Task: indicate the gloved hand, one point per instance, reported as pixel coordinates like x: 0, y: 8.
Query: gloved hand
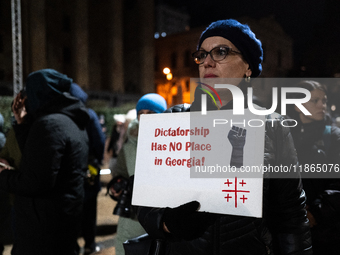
x: 185, y: 222
x: 237, y: 138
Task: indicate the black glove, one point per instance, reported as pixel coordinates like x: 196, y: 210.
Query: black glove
x: 185, y: 222
x: 237, y: 138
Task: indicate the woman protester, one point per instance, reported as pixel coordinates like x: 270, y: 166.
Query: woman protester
x: 128, y: 226
x: 318, y: 145
x: 229, y: 49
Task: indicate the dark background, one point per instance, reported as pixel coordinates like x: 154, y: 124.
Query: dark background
x: 314, y: 25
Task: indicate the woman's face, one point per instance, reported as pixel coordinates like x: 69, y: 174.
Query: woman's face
x: 143, y: 111
x: 233, y: 66
x: 316, y: 106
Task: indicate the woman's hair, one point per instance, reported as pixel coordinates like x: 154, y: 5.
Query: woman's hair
x: 310, y: 85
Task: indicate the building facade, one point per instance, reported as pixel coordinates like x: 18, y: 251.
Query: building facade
x: 106, y: 46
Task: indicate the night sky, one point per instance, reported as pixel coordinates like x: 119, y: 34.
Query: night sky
x: 314, y: 25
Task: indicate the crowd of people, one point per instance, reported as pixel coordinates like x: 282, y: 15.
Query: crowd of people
x: 52, y: 156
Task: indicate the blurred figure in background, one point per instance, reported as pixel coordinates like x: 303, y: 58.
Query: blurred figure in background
x: 128, y: 225
x: 3, y: 195
x: 49, y: 185
x: 117, y: 140
x: 117, y: 130
x: 318, y: 142
x: 92, y: 181
x: 2, y: 134
x: 10, y: 155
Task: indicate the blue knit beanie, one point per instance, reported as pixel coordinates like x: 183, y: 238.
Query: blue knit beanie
x: 152, y: 102
x: 242, y: 37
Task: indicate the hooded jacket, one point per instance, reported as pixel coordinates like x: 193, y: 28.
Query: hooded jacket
x: 282, y: 230
x: 49, y: 183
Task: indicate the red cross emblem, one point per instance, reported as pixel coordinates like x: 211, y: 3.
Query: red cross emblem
x: 235, y: 191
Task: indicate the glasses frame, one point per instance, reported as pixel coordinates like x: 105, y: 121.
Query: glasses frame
x: 209, y: 53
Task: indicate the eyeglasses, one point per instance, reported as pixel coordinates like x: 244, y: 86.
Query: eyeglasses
x: 316, y: 100
x: 217, y: 54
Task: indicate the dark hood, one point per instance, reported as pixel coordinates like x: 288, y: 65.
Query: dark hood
x: 48, y: 92
x: 78, y: 92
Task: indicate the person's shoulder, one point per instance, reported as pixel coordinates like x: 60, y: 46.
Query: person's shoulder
x: 92, y: 113
x: 178, y: 108
x: 52, y: 121
x: 335, y: 131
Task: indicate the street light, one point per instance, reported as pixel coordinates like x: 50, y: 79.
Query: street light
x: 168, y: 73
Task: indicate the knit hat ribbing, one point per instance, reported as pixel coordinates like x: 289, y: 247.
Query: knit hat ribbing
x: 152, y: 102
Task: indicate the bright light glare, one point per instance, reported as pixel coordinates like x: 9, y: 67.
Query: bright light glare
x: 105, y: 171
x: 166, y: 70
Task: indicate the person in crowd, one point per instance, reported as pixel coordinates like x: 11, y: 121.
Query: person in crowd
x: 129, y: 227
x: 3, y: 196
x: 229, y: 49
x: 49, y: 185
x: 92, y: 182
x: 117, y: 130
x: 10, y: 155
x: 118, y: 141
x: 318, y: 143
x: 2, y: 134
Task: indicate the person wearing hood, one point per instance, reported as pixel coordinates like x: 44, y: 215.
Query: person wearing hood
x: 92, y: 182
x: 49, y: 183
x: 129, y: 227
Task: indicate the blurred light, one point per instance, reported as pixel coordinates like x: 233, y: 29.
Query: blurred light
x: 169, y: 76
x: 333, y: 107
x: 166, y: 70
x: 163, y: 34
x: 174, y: 90
x: 156, y: 35
x: 105, y: 171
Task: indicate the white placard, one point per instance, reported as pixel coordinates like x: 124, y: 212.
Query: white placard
x: 187, y: 156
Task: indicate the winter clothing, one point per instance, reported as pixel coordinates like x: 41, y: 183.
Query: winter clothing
x: 282, y: 230
x: 11, y: 151
x: 95, y: 133
x: 49, y: 184
x: 242, y: 37
x: 127, y: 228
x: 2, y: 135
x: 315, y: 147
x: 152, y: 102
x: 92, y: 185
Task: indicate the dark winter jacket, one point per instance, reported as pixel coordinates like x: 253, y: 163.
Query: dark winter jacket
x: 94, y: 130
x: 316, y: 145
x: 282, y: 230
x: 49, y: 184
x: 96, y: 141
